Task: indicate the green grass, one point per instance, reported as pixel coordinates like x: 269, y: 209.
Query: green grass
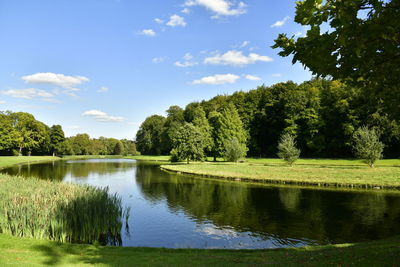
x: 6, y: 161
x: 150, y: 158
x: 324, y: 172
x: 30, y: 252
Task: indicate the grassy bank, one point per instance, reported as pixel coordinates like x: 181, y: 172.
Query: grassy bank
x: 339, y: 173
x: 6, y: 161
x: 30, y: 252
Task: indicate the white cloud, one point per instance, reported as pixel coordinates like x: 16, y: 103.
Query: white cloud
x: 103, y: 90
x: 236, y: 58
x: 185, y: 64
x: 102, y: 116
x: 218, y: 79
x: 244, y: 44
x: 187, y: 56
x: 252, y: 77
x: 149, y: 32
x: 277, y: 75
x: 185, y: 10
x: 280, y: 23
x: 64, y: 81
x: 159, y: 21
x: 219, y: 7
x: 2, y: 102
x: 29, y: 93
x: 158, y: 59
x: 188, y: 61
x: 176, y: 20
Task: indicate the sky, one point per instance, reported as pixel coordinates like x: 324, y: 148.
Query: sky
x: 102, y: 66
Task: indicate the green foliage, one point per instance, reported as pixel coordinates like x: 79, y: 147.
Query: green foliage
x: 80, y: 144
x: 118, y: 148
x: 175, y: 156
x: 8, y: 134
x: 56, y: 138
x: 367, y: 145
x: 188, y: 143
x: 30, y: 131
x: 59, y: 211
x: 362, y: 42
x: 225, y: 126
x: 287, y: 148
x: 234, y: 150
x: 323, y: 114
x: 148, y: 137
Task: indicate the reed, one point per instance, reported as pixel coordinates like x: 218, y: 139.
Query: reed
x: 63, y: 212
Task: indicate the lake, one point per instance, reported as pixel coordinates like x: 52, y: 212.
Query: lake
x: 178, y: 211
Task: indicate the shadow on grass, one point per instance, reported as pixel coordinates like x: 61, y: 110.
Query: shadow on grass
x: 377, y: 253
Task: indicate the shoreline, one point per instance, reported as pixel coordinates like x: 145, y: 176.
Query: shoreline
x: 274, y: 181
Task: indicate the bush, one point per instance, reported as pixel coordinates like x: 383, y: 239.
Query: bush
x: 287, y: 148
x: 367, y: 145
x: 234, y: 150
x: 174, y: 156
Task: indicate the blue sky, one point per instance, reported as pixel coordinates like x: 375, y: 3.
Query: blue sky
x: 102, y: 66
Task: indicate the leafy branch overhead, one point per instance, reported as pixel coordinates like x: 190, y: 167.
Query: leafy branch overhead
x: 357, y: 40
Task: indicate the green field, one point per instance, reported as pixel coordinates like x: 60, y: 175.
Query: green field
x: 6, y: 161
x: 29, y: 252
x: 319, y: 172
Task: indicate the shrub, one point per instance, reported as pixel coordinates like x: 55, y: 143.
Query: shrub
x: 234, y: 150
x: 287, y: 148
x: 367, y: 145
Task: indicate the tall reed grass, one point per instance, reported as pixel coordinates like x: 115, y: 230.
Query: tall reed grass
x: 64, y: 212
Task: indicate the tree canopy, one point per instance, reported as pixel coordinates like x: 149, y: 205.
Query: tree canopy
x: 357, y: 40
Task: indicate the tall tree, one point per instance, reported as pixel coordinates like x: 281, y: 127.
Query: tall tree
x: 30, y: 131
x: 148, y: 137
x: 188, y: 143
x: 56, y: 138
x: 8, y: 134
x: 225, y: 126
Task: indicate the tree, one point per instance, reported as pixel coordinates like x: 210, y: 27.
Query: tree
x: 56, y: 138
x: 81, y: 144
x: 225, y: 126
x: 367, y: 145
x: 361, y: 42
x: 188, y: 143
x: 118, y: 148
x: 201, y: 122
x: 8, y: 134
x: 234, y: 150
x: 287, y: 148
x: 148, y: 137
x: 30, y: 131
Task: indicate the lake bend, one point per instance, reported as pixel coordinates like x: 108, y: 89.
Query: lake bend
x: 179, y: 211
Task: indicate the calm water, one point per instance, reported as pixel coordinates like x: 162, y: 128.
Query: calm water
x: 178, y: 211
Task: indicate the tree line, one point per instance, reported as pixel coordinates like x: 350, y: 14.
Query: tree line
x: 323, y: 116
x: 22, y: 134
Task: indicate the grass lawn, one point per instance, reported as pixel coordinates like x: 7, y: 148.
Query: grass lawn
x: 29, y: 252
x: 322, y: 172
x: 6, y: 161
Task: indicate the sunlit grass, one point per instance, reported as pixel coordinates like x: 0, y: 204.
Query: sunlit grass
x: 323, y: 172
x: 6, y: 161
x: 30, y: 252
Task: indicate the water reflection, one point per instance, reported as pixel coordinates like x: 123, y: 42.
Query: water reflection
x: 183, y: 211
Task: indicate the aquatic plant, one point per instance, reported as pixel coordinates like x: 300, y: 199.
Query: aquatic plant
x: 64, y: 212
